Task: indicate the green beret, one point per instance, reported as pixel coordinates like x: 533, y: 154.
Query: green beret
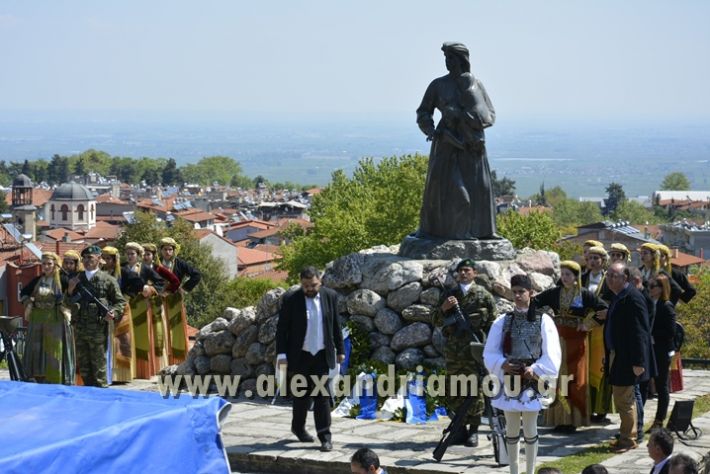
x: 91, y: 250
x: 466, y: 262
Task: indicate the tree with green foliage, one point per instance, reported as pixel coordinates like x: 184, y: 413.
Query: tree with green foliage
x: 58, y: 170
x: 212, y: 169
x: 569, y: 212
x: 615, y: 197
x: 208, y: 299
x: 379, y: 205
x: 170, y: 174
x: 635, y: 213
x: 536, y: 230
x: 695, y: 318
x: 503, y: 186
x: 675, y: 181
x: 4, y: 206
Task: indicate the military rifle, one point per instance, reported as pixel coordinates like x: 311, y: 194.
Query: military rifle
x: 103, y: 309
x: 462, y: 324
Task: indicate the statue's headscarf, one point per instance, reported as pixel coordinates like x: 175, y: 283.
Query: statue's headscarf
x: 460, y: 51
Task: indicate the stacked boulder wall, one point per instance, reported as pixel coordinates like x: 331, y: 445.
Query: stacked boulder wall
x: 390, y: 298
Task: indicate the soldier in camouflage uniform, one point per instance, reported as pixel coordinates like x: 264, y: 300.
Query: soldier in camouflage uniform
x: 91, y: 334
x: 479, y: 306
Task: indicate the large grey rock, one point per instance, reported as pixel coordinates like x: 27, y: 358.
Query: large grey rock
x: 197, y: 349
x: 377, y: 339
x: 414, y: 335
x: 187, y: 367
x: 387, y: 321
x: 541, y: 282
x: 344, y: 272
x: 440, y: 249
x: 409, y: 359
x: 365, y: 302
x: 269, y: 304
x: 430, y: 296
x: 218, y: 325
x: 242, y: 368
x: 256, y: 353
x: 430, y: 351
x: 404, y: 296
x: 220, y: 364
x: 244, y: 340
x: 438, y: 340
x: 434, y: 362
x: 270, y: 355
x: 229, y: 313
x: 265, y: 369
x: 202, y: 365
x: 364, y: 322
x: 219, y: 343
x: 242, y: 320
x: 390, y: 275
x: 538, y: 261
x: 503, y: 305
x: 488, y: 270
x: 248, y: 388
x: 502, y: 285
x: 418, y: 312
x: 384, y: 355
x: 267, y: 330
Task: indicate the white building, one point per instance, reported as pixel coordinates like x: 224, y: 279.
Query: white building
x: 71, y: 206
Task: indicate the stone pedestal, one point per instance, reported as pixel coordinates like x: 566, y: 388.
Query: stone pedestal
x: 441, y: 249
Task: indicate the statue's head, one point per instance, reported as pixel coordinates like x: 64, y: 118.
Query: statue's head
x: 456, y: 57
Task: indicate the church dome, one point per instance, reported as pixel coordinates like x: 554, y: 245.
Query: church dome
x: 72, y: 192
x: 22, y: 181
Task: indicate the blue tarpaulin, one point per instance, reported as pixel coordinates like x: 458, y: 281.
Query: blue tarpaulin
x: 55, y: 428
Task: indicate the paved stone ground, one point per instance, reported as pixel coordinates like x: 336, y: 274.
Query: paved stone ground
x: 258, y: 439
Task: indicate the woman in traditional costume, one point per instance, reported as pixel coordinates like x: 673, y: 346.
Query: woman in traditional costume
x: 174, y: 302
x: 140, y: 282
x: 124, y: 351
x: 49, y: 349
x: 619, y: 253
x: 160, y: 321
x: 594, y: 280
x: 681, y: 290
x: 571, y: 304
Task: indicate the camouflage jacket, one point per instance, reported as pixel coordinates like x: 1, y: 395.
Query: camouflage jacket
x: 477, y: 304
x: 105, y: 288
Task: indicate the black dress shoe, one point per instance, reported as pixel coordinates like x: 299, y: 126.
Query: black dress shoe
x: 472, y: 440
x: 303, y: 437
x: 326, y: 446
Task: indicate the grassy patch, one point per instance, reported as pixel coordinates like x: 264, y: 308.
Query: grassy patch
x: 578, y: 461
x: 3, y: 364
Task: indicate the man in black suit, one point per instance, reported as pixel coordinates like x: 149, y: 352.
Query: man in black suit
x: 660, y: 449
x: 626, y: 340
x: 308, y: 338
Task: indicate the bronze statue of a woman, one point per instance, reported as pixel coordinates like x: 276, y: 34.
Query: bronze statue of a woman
x: 458, y: 198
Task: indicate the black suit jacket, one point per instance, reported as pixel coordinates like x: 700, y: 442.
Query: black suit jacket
x: 132, y: 282
x: 627, y: 325
x: 687, y: 290
x: 663, y: 328
x: 182, y: 269
x: 291, y: 328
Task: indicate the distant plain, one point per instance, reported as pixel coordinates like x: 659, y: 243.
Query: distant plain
x: 583, y: 158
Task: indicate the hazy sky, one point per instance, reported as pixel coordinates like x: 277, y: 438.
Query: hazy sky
x: 603, y: 60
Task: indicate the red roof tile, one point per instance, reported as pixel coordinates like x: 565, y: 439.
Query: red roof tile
x: 685, y: 260
x: 60, y: 233
x: 247, y: 256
